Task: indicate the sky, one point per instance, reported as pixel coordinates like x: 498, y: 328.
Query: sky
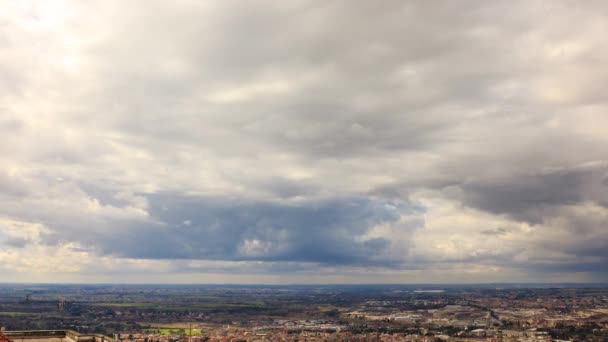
x: 303, y: 141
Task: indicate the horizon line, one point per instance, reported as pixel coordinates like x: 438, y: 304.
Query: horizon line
x: 305, y: 284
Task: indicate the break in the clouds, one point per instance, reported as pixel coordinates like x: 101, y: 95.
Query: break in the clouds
x: 303, y: 141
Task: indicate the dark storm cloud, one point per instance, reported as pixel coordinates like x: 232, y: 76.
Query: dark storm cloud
x: 198, y: 227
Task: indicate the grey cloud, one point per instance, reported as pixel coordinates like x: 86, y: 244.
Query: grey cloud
x: 17, y: 242
x: 579, y: 233
x: 567, y: 208
x: 528, y: 196
x: 358, y: 105
x: 285, y: 188
x: 497, y: 231
x: 14, y: 186
x: 597, y: 268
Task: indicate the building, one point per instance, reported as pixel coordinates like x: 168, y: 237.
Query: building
x: 50, y: 336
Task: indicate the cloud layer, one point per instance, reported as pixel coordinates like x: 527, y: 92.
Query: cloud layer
x: 305, y: 141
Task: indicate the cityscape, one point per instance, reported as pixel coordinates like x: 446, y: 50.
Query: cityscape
x: 156, y: 313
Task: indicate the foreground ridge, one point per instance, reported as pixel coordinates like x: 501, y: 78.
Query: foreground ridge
x: 51, y: 336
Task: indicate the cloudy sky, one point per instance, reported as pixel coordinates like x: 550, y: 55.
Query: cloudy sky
x: 303, y: 141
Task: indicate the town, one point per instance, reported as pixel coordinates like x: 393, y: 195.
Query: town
x: 149, y: 313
